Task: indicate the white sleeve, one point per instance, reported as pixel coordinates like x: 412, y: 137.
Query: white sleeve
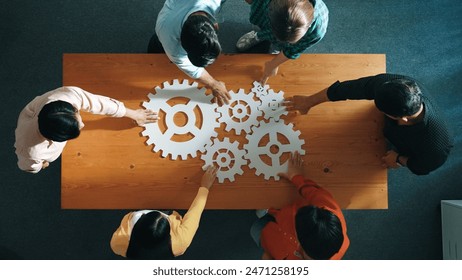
x: 93, y: 103
x: 29, y: 165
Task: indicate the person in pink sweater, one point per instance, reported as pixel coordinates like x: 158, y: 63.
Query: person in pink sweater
x: 48, y: 121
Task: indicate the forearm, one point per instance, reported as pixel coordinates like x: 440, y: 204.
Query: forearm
x: 362, y: 88
x: 192, y: 217
x: 94, y: 103
x: 208, y: 80
x: 317, y: 98
x: 130, y: 113
x: 277, y: 61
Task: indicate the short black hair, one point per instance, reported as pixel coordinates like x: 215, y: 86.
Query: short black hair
x: 150, y: 238
x: 319, y: 232
x: 399, y: 98
x: 57, y: 121
x: 200, y: 40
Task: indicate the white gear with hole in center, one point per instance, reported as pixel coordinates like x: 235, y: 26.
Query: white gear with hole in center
x: 254, y: 151
x: 272, y: 105
x: 241, y: 114
x: 225, y: 155
x: 202, y: 133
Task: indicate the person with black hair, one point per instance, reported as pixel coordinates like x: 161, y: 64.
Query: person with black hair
x: 417, y: 132
x: 155, y: 235
x: 187, y: 32
x: 313, y: 227
x: 48, y: 121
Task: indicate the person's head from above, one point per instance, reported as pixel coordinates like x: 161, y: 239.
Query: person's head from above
x: 150, y: 238
x: 200, y: 40
x: 59, y: 121
x: 290, y: 19
x: 399, y: 99
x: 319, y: 232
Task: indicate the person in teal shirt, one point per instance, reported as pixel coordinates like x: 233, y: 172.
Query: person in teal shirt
x: 291, y: 26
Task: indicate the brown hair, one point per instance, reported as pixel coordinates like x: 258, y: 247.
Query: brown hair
x: 290, y: 19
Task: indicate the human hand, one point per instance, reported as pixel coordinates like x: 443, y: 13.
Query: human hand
x: 209, y: 177
x: 295, y: 166
x: 268, y: 71
x: 142, y: 116
x: 220, y: 93
x: 389, y: 160
x: 45, y: 164
x: 298, y: 103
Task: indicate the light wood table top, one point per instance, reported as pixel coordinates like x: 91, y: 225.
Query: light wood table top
x: 110, y: 166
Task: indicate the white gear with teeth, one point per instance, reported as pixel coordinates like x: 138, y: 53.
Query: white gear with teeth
x: 259, y: 90
x: 197, y: 102
x: 272, y: 129
x: 272, y: 105
x: 227, y: 156
x: 242, y: 113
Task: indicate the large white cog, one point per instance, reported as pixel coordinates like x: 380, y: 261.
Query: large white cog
x: 227, y: 157
x: 274, y: 149
x: 195, y: 101
x: 272, y: 105
x: 241, y: 114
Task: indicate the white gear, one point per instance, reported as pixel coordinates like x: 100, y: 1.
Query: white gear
x: 197, y: 101
x: 272, y: 128
x: 241, y: 114
x: 259, y: 90
x: 272, y: 105
x: 227, y: 156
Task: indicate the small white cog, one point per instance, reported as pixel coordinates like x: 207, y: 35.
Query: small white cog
x: 241, y: 114
x: 259, y: 90
x: 227, y: 156
x: 274, y: 149
x: 189, y: 101
x: 272, y: 105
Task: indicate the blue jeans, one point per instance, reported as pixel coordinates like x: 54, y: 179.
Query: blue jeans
x: 257, y: 227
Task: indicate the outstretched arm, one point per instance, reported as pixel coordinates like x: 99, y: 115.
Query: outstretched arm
x: 219, y: 91
x: 307, y: 188
x: 271, y: 67
x: 141, y: 116
x: 191, y: 219
x: 304, y: 103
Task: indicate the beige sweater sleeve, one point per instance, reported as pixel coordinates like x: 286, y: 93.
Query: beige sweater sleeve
x: 183, y: 230
x: 93, y: 103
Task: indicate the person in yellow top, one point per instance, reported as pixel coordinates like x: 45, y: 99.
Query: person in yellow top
x: 152, y: 234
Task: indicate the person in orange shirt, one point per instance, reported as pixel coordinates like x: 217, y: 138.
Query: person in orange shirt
x: 152, y: 234
x: 313, y: 227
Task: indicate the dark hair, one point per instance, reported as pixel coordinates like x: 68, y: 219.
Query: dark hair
x: 319, y: 232
x: 290, y: 19
x: 200, y: 40
x: 57, y: 121
x: 399, y: 98
x: 150, y: 238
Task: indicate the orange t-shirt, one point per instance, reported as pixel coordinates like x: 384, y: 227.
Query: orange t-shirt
x: 279, y: 239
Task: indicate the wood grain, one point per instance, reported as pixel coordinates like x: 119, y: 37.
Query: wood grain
x: 111, y: 167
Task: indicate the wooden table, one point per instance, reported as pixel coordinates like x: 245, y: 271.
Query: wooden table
x: 111, y: 167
